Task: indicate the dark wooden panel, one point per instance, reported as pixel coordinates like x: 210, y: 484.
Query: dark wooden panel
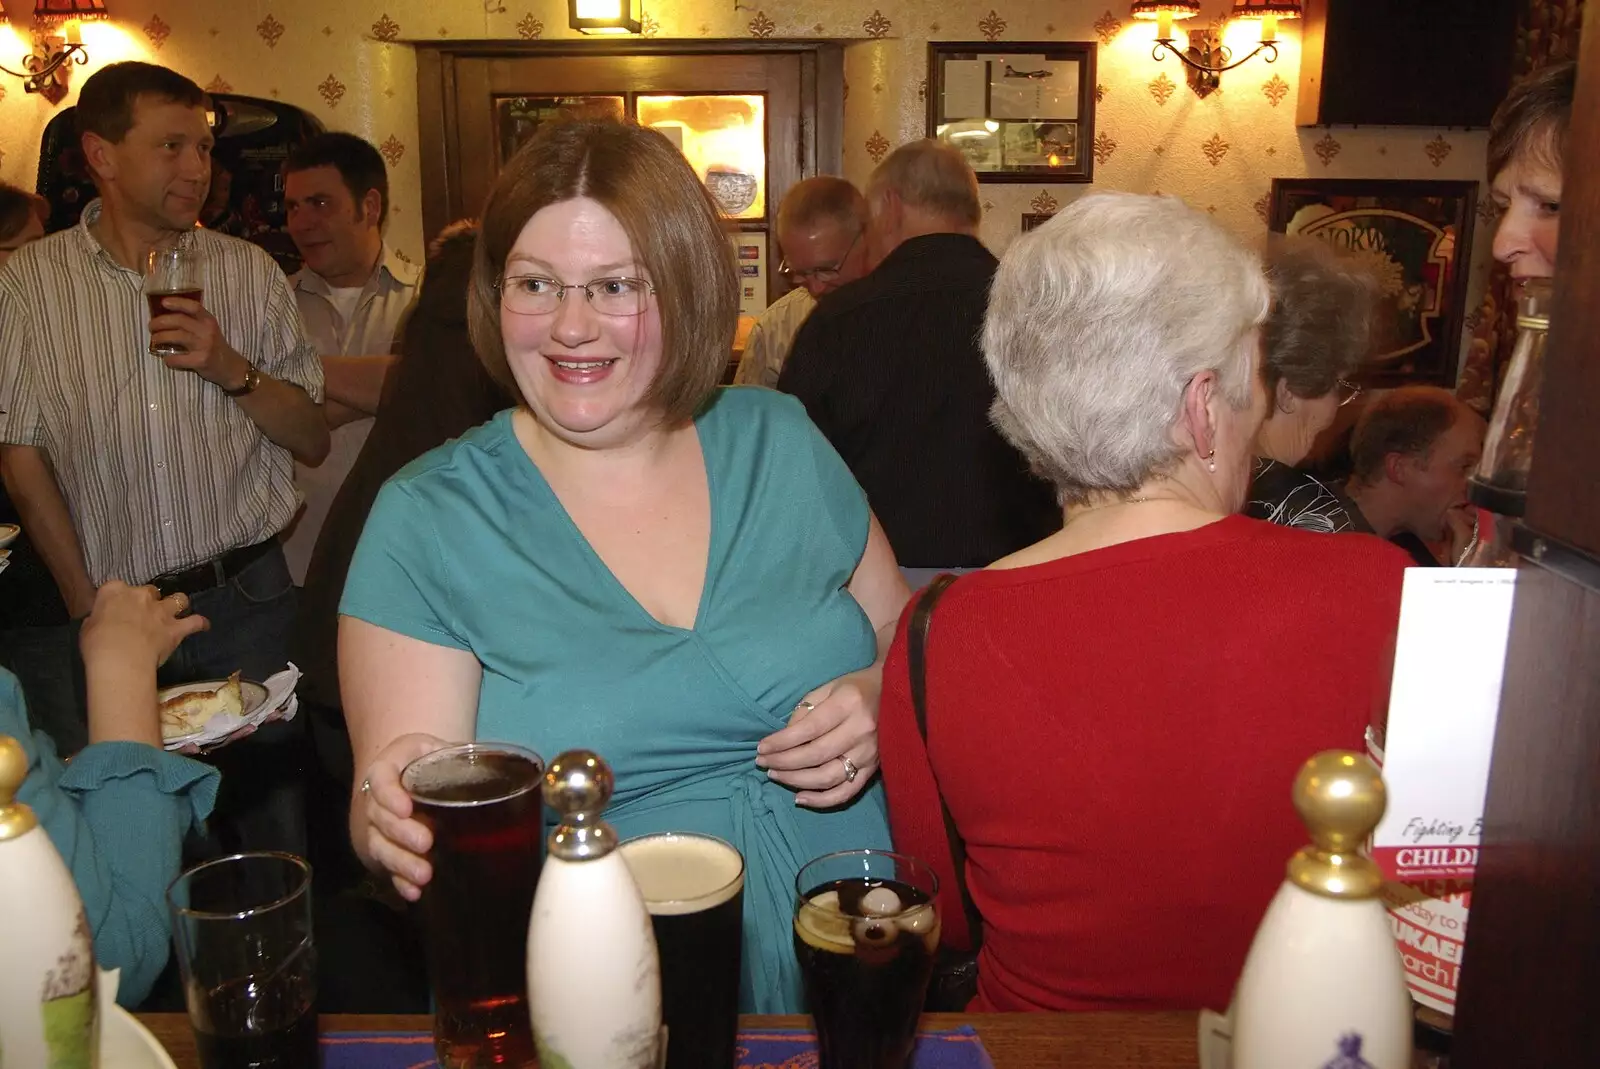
x: 1564, y: 487
x: 1405, y: 63
x: 1532, y: 962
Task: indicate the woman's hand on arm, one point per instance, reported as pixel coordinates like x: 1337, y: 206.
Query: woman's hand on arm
x: 403, y: 698
x: 838, y: 721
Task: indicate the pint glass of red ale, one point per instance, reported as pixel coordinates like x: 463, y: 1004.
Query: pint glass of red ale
x: 482, y: 802
x: 173, y: 271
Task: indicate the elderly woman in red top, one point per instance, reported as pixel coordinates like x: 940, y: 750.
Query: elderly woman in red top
x: 1115, y: 714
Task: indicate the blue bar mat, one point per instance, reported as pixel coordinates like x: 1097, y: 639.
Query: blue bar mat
x: 957, y: 1048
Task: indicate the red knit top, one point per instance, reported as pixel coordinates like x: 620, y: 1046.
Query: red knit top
x: 1117, y: 733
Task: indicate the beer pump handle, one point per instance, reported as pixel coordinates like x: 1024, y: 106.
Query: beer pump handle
x: 1323, y: 984
x: 578, y: 786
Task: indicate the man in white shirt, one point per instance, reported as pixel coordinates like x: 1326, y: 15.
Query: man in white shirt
x: 352, y: 293
x: 174, y: 470
x: 822, y: 230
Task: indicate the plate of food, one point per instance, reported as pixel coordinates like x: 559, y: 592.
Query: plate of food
x: 187, y: 710
x: 8, y: 534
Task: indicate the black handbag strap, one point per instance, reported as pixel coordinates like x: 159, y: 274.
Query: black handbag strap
x: 917, y: 656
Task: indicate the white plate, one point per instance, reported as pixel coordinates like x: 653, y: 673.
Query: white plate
x: 251, y: 695
x: 8, y: 534
x: 127, y: 1044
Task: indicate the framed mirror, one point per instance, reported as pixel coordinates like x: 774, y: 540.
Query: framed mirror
x: 1018, y: 111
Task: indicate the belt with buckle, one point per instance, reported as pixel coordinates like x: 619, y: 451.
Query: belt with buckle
x: 212, y: 573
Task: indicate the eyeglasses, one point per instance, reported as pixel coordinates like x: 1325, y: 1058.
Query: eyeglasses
x: 826, y: 273
x: 1348, y: 391
x: 535, y: 295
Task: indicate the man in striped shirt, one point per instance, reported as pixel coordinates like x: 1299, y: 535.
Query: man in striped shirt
x: 174, y: 470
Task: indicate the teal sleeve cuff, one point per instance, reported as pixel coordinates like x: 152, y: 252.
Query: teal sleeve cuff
x: 171, y: 773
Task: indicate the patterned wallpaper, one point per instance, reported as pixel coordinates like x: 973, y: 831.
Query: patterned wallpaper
x: 349, y: 63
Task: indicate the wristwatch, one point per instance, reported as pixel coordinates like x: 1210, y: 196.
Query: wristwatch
x: 252, y: 379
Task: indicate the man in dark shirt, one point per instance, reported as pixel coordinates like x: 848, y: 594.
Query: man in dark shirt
x: 890, y: 370
x: 1411, y: 453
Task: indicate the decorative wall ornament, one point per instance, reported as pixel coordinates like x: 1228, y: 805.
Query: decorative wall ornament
x: 877, y: 146
x: 1215, y: 149
x: 1044, y: 203
x: 219, y: 84
x: 922, y: 91
x: 385, y: 29
x: 1263, y: 206
x: 1275, y: 89
x: 1106, y: 26
x: 1104, y: 146
x: 876, y: 25
x: 992, y: 25
x: 649, y: 27
x: 270, y: 30
x: 1327, y: 149
x: 331, y: 90
x: 1099, y: 93
x: 530, y: 28
x: 1162, y: 88
x: 157, y: 31
x: 392, y: 150
x: 1438, y: 149
x: 761, y: 26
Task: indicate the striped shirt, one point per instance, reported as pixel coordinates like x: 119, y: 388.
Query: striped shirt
x: 160, y: 469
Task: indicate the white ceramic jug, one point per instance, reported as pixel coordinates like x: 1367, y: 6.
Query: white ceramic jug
x: 1323, y: 986
x: 49, y: 1015
x: 594, y: 980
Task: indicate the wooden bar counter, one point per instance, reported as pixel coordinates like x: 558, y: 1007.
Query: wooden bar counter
x: 1014, y: 1041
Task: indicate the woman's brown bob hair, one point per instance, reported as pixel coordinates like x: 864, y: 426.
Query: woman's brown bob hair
x: 673, y: 224
x: 1533, y: 119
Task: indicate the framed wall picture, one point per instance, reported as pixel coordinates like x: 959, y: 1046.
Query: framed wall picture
x: 1019, y: 112
x: 1416, y: 238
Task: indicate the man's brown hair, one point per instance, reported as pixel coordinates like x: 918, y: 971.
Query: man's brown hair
x: 106, y: 102
x: 1407, y: 421
x: 1533, y: 119
x: 671, y: 221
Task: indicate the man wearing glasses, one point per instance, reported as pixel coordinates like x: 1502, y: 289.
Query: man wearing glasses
x: 822, y: 225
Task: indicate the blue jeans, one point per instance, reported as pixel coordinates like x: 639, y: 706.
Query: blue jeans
x: 261, y: 804
x: 45, y: 661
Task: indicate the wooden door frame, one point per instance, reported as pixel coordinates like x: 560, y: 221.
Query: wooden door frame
x: 822, y: 87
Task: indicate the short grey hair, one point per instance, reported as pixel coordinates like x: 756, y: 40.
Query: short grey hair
x: 931, y: 176
x: 1097, y: 322
x: 823, y: 197
x: 1320, y: 329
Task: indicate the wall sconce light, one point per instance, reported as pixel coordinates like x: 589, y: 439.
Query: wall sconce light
x: 604, y: 16
x: 46, y: 69
x: 1206, y: 57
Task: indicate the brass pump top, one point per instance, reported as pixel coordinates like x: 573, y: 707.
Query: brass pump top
x: 1340, y: 797
x: 16, y: 819
x: 578, y: 786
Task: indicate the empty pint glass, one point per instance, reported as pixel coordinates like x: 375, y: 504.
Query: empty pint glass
x: 482, y: 802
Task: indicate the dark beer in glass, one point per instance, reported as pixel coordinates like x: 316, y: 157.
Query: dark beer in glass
x: 866, y: 929
x: 693, y: 886
x: 482, y: 802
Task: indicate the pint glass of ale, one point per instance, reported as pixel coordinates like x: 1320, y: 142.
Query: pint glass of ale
x: 693, y: 887
x: 482, y: 802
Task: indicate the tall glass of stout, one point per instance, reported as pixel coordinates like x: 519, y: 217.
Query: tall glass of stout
x: 242, y: 926
x: 482, y: 802
x: 866, y: 929
x: 172, y: 271
x: 693, y: 886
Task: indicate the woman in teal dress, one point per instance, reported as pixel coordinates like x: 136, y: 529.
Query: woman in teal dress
x: 683, y: 578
